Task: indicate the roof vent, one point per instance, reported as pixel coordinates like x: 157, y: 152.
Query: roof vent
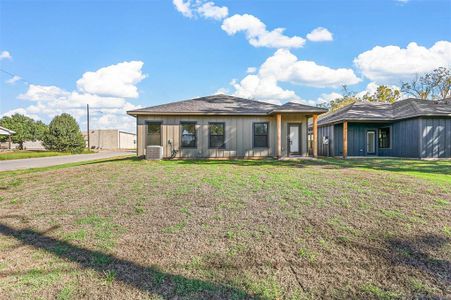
x: 154, y: 152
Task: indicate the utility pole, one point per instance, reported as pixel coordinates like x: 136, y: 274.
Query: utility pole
x: 87, y: 118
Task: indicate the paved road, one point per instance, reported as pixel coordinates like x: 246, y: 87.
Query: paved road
x: 18, y: 164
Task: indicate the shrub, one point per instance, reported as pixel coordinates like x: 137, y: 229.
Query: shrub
x: 64, y: 135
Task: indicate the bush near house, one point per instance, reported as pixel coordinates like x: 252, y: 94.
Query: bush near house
x: 64, y: 135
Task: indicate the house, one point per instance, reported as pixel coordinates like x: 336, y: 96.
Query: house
x: 7, y: 132
x: 222, y: 126
x: 110, y: 139
x: 408, y: 128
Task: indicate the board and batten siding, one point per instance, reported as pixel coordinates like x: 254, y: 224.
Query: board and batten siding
x: 238, y: 135
x: 410, y: 138
x: 326, y: 149
x: 435, y: 138
x: 403, y: 139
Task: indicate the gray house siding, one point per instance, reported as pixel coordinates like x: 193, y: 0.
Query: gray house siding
x: 414, y: 138
x: 326, y: 149
x: 435, y: 138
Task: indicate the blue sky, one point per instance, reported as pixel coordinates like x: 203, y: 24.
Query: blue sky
x: 154, y: 52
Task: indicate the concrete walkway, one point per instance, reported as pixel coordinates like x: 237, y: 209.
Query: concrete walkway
x: 40, y: 162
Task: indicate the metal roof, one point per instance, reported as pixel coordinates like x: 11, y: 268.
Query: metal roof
x: 6, y: 131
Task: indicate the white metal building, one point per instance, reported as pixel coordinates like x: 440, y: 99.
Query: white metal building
x: 110, y: 139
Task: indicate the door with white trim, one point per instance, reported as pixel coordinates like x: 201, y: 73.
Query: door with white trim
x: 294, y: 131
x: 371, y: 142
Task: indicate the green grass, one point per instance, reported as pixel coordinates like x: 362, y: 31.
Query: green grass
x: 378, y: 293
x: 434, y: 170
x: 301, y: 229
x: 21, y: 154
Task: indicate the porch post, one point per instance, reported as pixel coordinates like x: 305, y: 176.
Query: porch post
x: 345, y: 139
x: 315, y: 135
x: 9, y: 142
x: 279, y: 135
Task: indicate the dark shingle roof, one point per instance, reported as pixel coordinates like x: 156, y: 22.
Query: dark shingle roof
x: 374, y: 111
x: 222, y: 105
x: 295, y: 107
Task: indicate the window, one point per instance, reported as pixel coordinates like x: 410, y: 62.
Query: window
x: 189, y: 138
x: 216, y: 133
x: 384, y: 137
x: 154, y: 134
x: 261, y: 135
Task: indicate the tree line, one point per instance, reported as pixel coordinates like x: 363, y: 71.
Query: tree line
x: 435, y: 85
x: 62, y: 134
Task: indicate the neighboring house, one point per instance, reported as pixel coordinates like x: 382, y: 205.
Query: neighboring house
x: 8, y: 133
x: 407, y: 128
x: 222, y: 126
x: 110, y: 139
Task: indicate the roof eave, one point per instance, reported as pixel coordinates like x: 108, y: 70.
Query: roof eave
x: 298, y: 111
x: 141, y: 113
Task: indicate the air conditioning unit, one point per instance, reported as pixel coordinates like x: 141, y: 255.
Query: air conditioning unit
x: 154, y: 152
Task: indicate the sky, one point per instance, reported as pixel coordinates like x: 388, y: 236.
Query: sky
x: 58, y: 56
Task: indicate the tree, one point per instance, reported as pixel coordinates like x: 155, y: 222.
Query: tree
x: 40, y: 130
x: 348, y: 97
x: 383, y: 94
x: 25, y: 127
x: 433, y: 85
x: 64, y: 135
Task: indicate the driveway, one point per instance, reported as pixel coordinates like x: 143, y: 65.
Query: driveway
x: 19, y: 164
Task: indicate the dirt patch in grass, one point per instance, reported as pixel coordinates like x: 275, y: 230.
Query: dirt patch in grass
x: 224, y: 229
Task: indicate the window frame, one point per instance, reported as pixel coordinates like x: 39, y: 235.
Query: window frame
x: 161, y: 131
x: 253, y: 135
x: 195, y: 134
x: 389, y: 137
x: 209, y: 135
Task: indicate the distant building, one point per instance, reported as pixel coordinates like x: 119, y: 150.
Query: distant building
x: 7, y: 132
x: 110, y: 139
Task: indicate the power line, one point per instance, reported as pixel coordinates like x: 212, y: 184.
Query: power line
x: 23, y: 79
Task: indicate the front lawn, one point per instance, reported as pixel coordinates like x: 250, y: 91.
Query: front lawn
x: 130, y: 228
x: 21, y: 154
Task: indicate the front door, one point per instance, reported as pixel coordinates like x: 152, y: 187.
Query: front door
x: 293, y: 138
x: 371, y: 142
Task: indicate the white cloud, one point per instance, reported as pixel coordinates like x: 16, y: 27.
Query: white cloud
x: 251, y: 70
x: 210, y: 10
x: 184, y: 7
x: 392, y: 63
x: 262, y: 88
x: 5, y: 55
x: 106, y: 111
x: 222, y: 90
x: 13, y: 79
x: 44, y: 93
x: 21, y: 111
x: 284, y: 67
x: 256, y: 33
x: 326, y: 98
x: 116, y: 80
x: 320, y: 34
